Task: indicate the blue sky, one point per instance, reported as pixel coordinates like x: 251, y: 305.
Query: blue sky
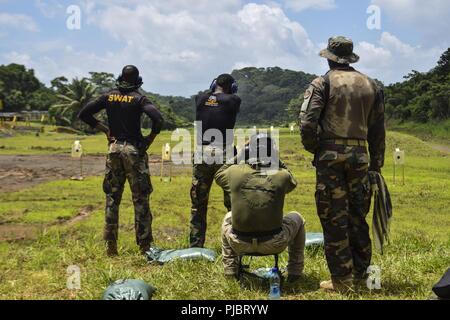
x: 181, y: 45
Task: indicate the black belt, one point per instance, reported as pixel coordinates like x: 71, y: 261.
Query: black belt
x: 346, y: 142
x: 124, y: 143
x: 259, y: 236
x: 208, y: 143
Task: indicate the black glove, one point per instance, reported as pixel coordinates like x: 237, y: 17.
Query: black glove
x: 142, y: 147
x: 375, y: 169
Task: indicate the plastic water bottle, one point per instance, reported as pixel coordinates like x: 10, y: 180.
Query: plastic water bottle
x: 274, y: 279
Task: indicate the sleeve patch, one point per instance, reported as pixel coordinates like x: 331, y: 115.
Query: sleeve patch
x: 307, y: 99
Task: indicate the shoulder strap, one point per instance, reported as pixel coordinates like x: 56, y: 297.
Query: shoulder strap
x: 326, y: 93
x: 326, y: 97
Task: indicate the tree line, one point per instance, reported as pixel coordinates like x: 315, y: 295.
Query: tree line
x: 20, y: 90
x: 269, y: 95
x: 422, y: 97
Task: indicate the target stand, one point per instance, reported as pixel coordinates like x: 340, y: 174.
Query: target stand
x: 77, y: 153
x: 166, y: 156
x: 399, y: 165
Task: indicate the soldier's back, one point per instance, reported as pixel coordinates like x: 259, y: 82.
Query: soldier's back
x: 352, y: 96
x: 124, y: 110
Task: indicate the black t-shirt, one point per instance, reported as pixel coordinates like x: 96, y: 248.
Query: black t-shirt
x: 217, y: 111
x: 124, y: 110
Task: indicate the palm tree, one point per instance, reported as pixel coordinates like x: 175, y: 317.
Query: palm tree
x: 77, y: 95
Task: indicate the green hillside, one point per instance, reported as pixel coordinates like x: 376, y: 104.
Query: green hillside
x: 269, y: 96
x: 422, y: 97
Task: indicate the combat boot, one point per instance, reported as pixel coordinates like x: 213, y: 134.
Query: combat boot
x: 294, y: 279
x: 231, y: 276
x: 340, y: 286
x: 360, y: 283
x: 111, y: 249
x: 144, y: 248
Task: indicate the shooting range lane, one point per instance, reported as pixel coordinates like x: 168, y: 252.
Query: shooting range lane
x: 442, y: 148
x: 18, y: 172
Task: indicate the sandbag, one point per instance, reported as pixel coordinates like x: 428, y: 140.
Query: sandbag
x: 442, y: 288
x: 314, y: 239
x: 129, y: 290
x: 156, y: 255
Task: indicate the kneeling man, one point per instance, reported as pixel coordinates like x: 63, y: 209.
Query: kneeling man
x: 256, y: 223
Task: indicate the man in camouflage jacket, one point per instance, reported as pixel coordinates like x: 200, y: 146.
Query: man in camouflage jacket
x: 342, y: 115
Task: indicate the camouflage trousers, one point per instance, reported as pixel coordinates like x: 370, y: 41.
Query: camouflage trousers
x: 202, y: 180
x: 343, y: 201
x: 292, y: 236
x: 125, y: 162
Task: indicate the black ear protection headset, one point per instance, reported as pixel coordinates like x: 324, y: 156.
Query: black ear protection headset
x: 139, y: 81
x: 259, y: 145
x: 129, y: 86
x: 125, y: 85
x: 234, y: 86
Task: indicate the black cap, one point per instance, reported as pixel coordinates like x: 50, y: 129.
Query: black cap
x: 260, y: 150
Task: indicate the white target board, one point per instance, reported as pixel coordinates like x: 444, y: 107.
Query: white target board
x: 77, y: 149
x: 399, y: 157
x: 166, y: 152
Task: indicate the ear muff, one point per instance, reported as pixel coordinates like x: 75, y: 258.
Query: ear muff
x: 213, y: 85
x: 139, y: 82
x: 234, y: 87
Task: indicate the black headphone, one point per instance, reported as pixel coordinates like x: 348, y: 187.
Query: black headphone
x: 254, y: 146
x: 234, y: 86
x: 137, y: 85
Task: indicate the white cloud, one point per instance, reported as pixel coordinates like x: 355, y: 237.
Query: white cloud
x: 18, y: 21
x: 391, y: 58
x: 301, y: 5
x: 181, y: 48
x: 430, y: 18
x: 180, y: 45
x: 19, y: 58
x: 50, y: 8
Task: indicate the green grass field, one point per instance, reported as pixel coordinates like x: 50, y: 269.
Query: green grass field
x: 35, y: 268
x: 435, y: 131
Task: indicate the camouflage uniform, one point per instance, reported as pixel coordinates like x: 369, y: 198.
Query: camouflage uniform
x: 126, y: 162
x: 214, y: 111
x: 257, y: 224
x: 202, y: 180
x: 342, y: 112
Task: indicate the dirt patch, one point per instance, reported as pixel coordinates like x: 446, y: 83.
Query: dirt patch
x: 11, y: 232
x: 169, y: 233
x: 4, y: 134
x: 13, y: 216
x: 441, y: 148
x: 22, y: 171
x: 19, y: 172
x: 19, y: 232
x: 39, y: 148
x: 66, y: 130
x: 83, y: 214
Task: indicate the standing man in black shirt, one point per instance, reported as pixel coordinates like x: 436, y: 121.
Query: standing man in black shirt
x: 215, y: 111
x: 127, y: 156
